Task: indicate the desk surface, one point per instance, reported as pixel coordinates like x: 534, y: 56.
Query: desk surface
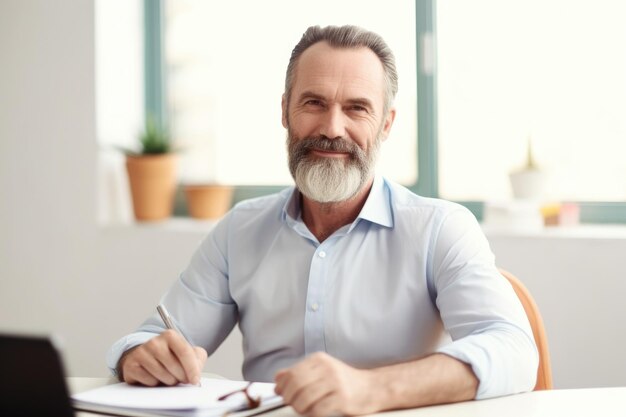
x: 597, y: 402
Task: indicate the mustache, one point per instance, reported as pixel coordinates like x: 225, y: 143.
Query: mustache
x: 323, y: 143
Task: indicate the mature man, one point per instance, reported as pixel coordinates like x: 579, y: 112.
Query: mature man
x: 343, y: 285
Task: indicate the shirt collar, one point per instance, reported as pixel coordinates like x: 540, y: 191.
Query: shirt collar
x: 377, y: 207
x: 291, y: 209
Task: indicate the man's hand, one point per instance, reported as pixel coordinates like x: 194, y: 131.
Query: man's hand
x: 166, y: 359
x: 321, y: 386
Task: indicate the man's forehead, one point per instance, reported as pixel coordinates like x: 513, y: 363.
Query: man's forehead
x: 351, y: 66
x: 323, y: 54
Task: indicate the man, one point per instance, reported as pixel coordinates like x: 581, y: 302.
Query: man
x: 341, y: 285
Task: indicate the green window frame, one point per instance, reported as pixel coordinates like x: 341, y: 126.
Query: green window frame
x: 427, y: 158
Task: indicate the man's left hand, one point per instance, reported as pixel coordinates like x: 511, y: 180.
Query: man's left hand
x: 321, y: 386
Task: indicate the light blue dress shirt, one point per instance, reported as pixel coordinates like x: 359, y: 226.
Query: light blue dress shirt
x: 384, y: 289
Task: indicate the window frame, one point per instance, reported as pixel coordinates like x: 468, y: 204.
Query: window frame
x: 427, y: 183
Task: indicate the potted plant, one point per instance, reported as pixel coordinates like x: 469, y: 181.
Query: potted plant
x: 152, y: 174
x: 529, y: 181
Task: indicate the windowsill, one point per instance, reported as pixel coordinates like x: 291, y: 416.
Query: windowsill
x: 581, y: 231
x: 172, y: 224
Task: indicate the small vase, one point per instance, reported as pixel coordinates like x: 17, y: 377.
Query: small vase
x: 528, y: 184
x: 208, y: 201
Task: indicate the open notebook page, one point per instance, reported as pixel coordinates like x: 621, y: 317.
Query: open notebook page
x: 186, y: 399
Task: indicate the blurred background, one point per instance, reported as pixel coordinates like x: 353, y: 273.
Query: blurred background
x: 481, y: 83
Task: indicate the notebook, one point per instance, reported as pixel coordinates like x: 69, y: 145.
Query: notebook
x: 32, y: 380
x: 182, y: 400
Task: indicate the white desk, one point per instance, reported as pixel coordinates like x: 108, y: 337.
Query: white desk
x: 591, y: 402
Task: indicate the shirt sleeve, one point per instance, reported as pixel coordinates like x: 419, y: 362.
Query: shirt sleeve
x: 199, y: 301
x: 479, y: 308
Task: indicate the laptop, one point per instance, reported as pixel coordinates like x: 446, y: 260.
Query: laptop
x: 32, y: 381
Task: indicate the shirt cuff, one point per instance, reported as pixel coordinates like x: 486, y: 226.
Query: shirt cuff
x: 504, y: 363
x: 117, y: 350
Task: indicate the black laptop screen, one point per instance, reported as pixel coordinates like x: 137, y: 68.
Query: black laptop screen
x: 32, y: 381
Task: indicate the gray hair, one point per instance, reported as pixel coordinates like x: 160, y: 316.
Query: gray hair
x: 347, y: 37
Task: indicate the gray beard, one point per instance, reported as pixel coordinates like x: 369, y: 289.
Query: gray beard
x: 330, y: 180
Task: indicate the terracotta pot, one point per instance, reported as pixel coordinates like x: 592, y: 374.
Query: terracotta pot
x: 208, y: 201
x: 152, y: 184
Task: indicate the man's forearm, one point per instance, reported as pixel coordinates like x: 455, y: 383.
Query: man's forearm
x: 435, y: 379
x: 321, y: 385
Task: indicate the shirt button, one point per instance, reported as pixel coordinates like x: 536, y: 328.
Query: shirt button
x: 322, y: 254
x: 315, y: 306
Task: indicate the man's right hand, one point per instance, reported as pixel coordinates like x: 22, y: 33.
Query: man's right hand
x: 165, y: 359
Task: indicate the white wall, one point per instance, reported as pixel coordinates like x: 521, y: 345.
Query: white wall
x: 578, y: 283
x: 61, y: 272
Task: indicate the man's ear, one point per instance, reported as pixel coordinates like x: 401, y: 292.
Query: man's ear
x: 389, y: 118
x: 283, y: 105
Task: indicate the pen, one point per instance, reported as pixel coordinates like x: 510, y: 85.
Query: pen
x: 169, y: 323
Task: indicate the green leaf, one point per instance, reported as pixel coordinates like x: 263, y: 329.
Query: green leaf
x: 155, y: 139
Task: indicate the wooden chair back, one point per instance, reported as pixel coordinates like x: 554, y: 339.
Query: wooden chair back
x: 544, y: 372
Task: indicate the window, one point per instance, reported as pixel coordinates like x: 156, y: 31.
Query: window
x: 551, y: 70
x: 225, y: 64
x: 491, y: 74
x: 119, y: 72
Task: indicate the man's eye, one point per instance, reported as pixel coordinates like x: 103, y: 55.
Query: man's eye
x: 313, y: 103
x: 356, y: 107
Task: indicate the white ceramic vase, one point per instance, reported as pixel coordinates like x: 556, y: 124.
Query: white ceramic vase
x: 528, y: 184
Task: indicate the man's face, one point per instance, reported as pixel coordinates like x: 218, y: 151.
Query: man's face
x: 335, y: 122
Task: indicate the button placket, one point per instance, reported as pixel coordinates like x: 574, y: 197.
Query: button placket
x: 314, y: 339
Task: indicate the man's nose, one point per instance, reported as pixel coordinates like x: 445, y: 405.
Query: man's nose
x: 333, y: 124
